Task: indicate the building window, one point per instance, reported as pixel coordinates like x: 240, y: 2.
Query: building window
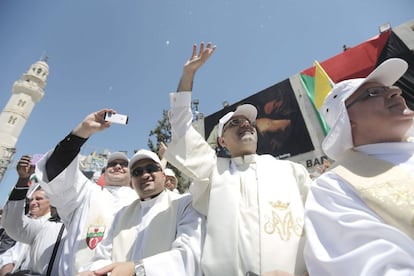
x: 21, y: 103
x: 12, y: 120
x: 39, y: 71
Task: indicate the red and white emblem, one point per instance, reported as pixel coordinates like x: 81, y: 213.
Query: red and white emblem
x: 94, y: 235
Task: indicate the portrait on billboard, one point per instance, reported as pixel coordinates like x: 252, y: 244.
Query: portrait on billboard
x: 281, y: 129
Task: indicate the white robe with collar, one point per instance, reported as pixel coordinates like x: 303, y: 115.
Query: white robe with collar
x: 345, y: 236
x: 83, y: 205
x: 254, y: 204
x: 166, y: 233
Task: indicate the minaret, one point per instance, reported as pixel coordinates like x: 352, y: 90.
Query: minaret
x: 27, y: 91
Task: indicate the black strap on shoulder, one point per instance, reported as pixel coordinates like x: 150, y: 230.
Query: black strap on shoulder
x: 55, y: 249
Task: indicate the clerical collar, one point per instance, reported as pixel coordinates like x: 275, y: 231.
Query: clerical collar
x: 245, y: 159
x: 152, y: 197
x: 387, y: 148
x: 240, y: 161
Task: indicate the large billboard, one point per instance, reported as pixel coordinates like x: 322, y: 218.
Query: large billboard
x: 281, y: 128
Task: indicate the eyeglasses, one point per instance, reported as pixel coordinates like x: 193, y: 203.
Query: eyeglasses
x: 150, y: 168
x: 372, y: 92
x: 238, y: 122
x: 123, y: 164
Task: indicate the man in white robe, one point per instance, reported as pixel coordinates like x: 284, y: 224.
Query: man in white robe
x: 359, y: 214
x: 86, y: 209
x: 160, y: 234
x: 39, y: 231
x: 254, y: 203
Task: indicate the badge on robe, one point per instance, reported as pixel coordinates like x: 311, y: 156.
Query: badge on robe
x: 94, y: 235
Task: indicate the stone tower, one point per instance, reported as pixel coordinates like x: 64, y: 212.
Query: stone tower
x: 27, y: 91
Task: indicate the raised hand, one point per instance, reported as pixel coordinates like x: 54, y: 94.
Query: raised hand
x: 93, y: 123
x: 193, y: 64
x: 24, y: 167
x: 196, y: 60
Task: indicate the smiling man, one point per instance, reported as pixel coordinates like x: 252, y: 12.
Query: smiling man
x: 359, y: 215
x: 39, y: 231
x: 86, y: 209
x: 254, y: 203
x: 159, y: 234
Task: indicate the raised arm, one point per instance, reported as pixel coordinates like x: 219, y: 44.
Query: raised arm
x: 193, y: 64
x: 69, y: 147
x: 14, y: 220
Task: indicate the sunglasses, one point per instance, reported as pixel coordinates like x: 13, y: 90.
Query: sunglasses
x: 123, y: 164
x: 150, y: 168
x: 238, y: 122
x: 372, y: 92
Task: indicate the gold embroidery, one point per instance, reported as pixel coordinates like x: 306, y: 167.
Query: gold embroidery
x: 282, y: 221
x: 396, y: 199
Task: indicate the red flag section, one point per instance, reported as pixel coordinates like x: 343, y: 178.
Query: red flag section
x: 356, y: 62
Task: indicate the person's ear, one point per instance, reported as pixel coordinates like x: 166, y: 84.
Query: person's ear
x: 222, y: 142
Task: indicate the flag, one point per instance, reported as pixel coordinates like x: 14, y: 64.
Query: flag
x: 323, y: 85
x: 317, y: 87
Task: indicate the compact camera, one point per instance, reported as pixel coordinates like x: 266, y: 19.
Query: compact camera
x: 116, y: 118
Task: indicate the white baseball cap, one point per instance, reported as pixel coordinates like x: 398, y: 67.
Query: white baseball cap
x: 333, y: 110
x: 247, y: 110
x: 170, y: 172
x: 118, y: 155
x: 144, y: 154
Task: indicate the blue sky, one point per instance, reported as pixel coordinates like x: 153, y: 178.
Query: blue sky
x: 128, y: 55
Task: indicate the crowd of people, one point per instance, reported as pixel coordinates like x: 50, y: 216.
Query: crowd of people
x: 247, y: 214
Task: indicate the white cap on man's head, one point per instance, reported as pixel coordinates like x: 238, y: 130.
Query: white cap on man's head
x: 334, y: 111
x: 118, y: 155
x: 144, y: 154
x: 170, y: 172
x: 247, y: 110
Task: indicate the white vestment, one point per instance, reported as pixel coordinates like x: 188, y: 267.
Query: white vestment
x: 347, y: 237
x: 254, y: 204
x: 166, y: 233
x: 39, y: 234
x: 86, y: 209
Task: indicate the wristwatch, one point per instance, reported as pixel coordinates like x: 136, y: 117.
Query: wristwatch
x: 139, y: 269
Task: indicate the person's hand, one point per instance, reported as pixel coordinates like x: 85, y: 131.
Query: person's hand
x: 277, y: 273
x: 192, y: 65
x: 196, y: 60
x: 161, y: 149
x: 281, y: 273
x: 24, y: 167
x: 93, y: 123
x: 86, y: 273
x: 117, y: 269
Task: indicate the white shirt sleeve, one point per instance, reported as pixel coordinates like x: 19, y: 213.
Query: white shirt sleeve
x: 180, y: 114
x: 67, y: 191
x: 345, y: 237
x: 7, y: 257
x: 19, y: 226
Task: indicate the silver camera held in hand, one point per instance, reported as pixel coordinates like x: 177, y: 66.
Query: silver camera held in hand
x: 116, y: 118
